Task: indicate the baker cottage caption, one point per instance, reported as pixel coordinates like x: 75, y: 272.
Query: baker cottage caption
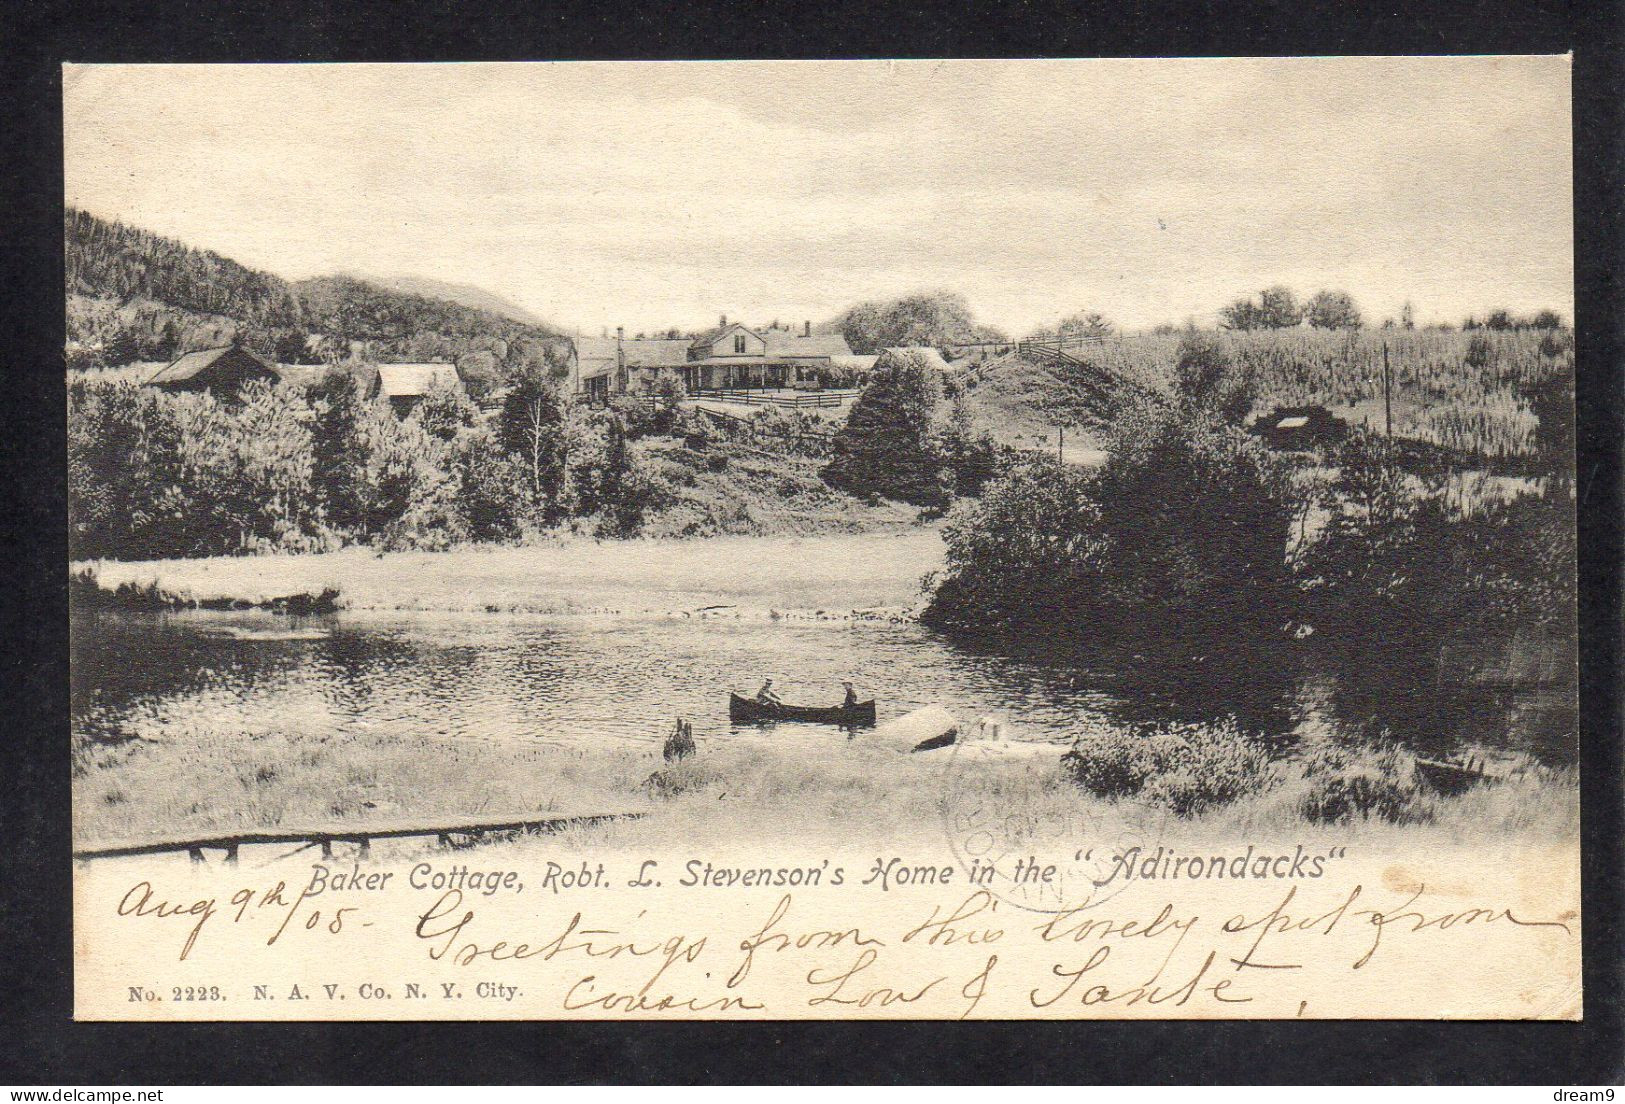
x: 144, y: 901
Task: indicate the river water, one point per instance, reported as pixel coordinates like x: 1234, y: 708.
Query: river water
x: 577, y: 678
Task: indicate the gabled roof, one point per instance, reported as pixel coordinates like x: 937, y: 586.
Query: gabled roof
x: 647, y: 352
x: 188, y: 365
x: 656, y: 352
x: 409, y: 381
x: 711, y: 337
x: 782, y: 344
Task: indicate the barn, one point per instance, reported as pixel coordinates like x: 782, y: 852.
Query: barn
x: 222, y: 371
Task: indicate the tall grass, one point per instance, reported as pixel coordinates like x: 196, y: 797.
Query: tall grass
x: 1457, y: 389
x: 1208, y: 780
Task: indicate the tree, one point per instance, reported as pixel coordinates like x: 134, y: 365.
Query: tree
x: 1181, y: 533
x: 1206, y: 380
x: 293, y: 347
x: 446, y: 411
x: 973, y: 456
x: 623, y: 493
x: 1407, y: 316
x: 1243, y: 314
x: 1278, y: 308
x: 531, y: 427
x: 932, y: 318
x: 167, y: 345
x: 889, y: 445
x: 339, y: 463
x: 1086, y: 324
x: 1334, y: 310
x: 492, y: 487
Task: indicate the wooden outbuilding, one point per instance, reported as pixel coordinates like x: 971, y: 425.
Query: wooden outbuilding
x: 222, y: 371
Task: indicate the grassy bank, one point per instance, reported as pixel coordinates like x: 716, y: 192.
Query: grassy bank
x: 835, y: 572
x: 733, y: 489
x: 778, y: 786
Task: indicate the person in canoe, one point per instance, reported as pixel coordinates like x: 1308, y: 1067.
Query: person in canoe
x: 766, y: 696
x: 851, y: 696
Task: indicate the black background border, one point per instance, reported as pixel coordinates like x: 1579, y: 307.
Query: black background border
x: 39, y: 1042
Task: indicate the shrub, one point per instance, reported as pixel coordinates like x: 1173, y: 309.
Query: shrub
x: 1332, y: 310
x: 639, y: 418
x: 1116, y: 763
x: 1408, y: 564
x: 1365, y: 781
x: 686, y: 776
x: 1185, y: 768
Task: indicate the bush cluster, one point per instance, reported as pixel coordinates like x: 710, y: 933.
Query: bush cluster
x: 1182, y: 531
x: 1184, y: 768
x: 1362, y: 782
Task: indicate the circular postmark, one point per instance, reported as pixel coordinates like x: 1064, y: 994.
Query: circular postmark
x: 1026, y: 848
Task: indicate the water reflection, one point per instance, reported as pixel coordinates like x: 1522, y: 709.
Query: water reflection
x: 579, y: 679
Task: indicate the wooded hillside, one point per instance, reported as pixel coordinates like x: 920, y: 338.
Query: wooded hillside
x: 135, y: 295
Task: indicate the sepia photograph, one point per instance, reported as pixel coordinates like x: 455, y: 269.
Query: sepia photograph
x: 933, y: 539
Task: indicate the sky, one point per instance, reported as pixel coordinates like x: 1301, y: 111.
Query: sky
x: 660, y: 194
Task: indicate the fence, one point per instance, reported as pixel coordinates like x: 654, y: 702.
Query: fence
x: 797, y: 440
x: 1060, y: 348
x: 801, y: 401
x: 360, y: 834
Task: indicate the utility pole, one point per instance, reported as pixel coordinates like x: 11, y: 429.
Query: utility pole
x: 1387, y: 394
x: 1060, y: 443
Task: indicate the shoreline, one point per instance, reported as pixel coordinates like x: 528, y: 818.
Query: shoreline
x: 831, y: 577
x: 855, y: 793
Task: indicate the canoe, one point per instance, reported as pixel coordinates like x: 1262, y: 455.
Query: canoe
x: 1449, y: 777
x: 747, y: 711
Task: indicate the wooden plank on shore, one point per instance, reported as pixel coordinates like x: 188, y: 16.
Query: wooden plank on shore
x: 361, y: 833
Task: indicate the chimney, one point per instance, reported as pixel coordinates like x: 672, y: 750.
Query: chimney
x: 806, y: 328
x: 620, y: 359
x: 723, y: 321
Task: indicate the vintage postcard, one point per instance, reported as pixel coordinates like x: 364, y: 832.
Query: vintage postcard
x: 929, y: 540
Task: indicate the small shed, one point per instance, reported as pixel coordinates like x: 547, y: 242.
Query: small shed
x: 222, y: 371
x: 404, y: 385
x: 1300, y: 427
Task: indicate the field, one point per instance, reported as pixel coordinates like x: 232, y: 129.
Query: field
x: 1461, y: 390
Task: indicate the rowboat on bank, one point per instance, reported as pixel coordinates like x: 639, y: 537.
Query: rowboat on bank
x: 1454, y: 777
x: 746, y: 711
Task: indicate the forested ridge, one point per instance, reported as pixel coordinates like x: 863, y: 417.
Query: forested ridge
x: 136, y: 295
